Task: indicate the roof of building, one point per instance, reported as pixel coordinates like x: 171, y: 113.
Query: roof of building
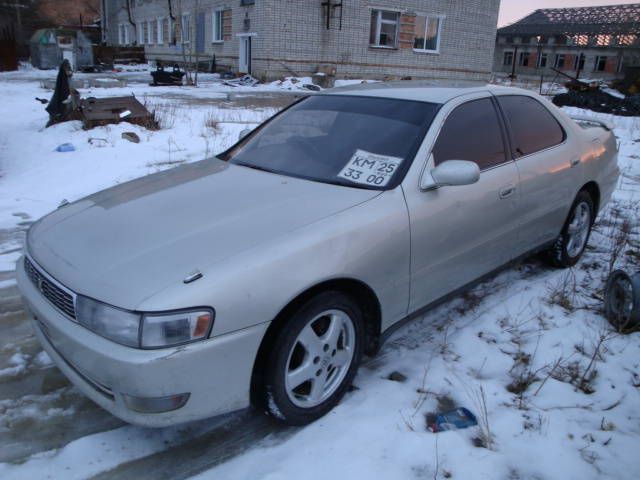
x: 610, y: 19
x: 422, y: 91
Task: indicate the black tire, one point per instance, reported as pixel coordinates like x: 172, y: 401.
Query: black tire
x: 276, y: 399
x: 622, y: 301
x: 559, y: 255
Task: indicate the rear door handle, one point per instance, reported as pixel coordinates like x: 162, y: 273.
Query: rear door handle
x: 506, y: 192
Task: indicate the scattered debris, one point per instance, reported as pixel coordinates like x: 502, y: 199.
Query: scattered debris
x: 452, y: 420
x: 63, y: 104
x: 397, y: 377
x: 599, y: 101
x: 43, y: 101
x: 98, y: 141
x: 131, y: 136
x: 96, y: 112
x: 65, y: 147
x: 167, y: 78
x: 245, y: 81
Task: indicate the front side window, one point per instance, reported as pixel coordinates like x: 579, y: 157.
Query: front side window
x: 472, y: 132
x: 384, y: 28
x: 217, y: 26
x: 363, y: 142
x: 427, y: 33
x: 533, y: 127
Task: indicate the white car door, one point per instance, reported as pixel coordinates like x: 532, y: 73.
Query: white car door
x: 461, y: 233
x: 546, y: 162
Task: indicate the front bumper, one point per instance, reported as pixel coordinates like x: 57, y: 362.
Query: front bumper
x: 215, y: 372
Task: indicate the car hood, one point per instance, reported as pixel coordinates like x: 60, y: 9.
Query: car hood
x: 126, y: 243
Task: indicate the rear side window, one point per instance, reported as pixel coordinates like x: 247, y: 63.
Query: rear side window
x: 533, y: 127
x: 472, y: 132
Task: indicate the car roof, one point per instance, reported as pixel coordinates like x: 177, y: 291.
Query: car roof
x: 422, y: 91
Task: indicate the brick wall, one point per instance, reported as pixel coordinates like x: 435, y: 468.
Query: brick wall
x: 290, y: 37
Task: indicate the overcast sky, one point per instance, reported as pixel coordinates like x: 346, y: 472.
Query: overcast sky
x: 512, y: 10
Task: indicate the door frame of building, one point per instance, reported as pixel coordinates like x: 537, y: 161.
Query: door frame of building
x: 245, y: 51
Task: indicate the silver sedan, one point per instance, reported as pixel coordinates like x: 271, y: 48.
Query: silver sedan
x: 262, y: 276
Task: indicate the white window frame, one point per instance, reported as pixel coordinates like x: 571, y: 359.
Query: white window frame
x: 160, y: 31
x: 380, y: 21
x: 439, y: 37
x: 185, y: 33
x: 217, y: 31
x: 140, y: 28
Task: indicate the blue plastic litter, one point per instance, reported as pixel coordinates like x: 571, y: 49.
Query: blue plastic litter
x: 453, y: 420
x: 66, y: 147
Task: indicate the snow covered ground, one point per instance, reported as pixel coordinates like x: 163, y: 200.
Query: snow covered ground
x: 529, y: 352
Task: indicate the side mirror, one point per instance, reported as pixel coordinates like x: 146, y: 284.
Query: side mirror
x: 449, y: 174
x: 244, y: 133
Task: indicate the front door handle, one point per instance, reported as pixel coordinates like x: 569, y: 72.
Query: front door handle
x: 506, y: 192
x: 575, y: 162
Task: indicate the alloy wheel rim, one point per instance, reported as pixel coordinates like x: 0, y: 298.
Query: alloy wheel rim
x: 579, y: 229
x: 320, y: 358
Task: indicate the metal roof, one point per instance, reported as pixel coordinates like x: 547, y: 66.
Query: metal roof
x: 610, y: 19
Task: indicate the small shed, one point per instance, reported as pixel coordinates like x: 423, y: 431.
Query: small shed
x: 49, y: 46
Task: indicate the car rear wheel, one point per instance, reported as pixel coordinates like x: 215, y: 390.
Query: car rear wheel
x: 573, y: 239
x: 314, y: 359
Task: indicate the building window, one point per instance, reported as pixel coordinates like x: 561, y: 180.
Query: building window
x: 160, y: 30
x: 580, y: 40
x: 218, y: 35
x: 542, y: 60
x: 384, y: 28
x: 166, y: 30
x: 600, y: 64
x: 627, y: 40
x: 579, y: 62
x: 151, y: 32
x: 185, y: 27
x: 123, y: 35
x: 524, y: 59
x: 427, y: 34
x: 560, y: 58
x: 508, y: 58
x: 141, y: 33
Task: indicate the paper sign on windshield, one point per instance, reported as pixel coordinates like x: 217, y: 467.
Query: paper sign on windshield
x: 369, y: 168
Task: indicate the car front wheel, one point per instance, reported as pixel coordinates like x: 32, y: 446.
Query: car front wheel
x: 314, y: 359
x: 573, y: 239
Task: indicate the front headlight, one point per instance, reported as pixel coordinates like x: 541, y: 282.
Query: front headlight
x: 167, y: 329
x: 158, y: 329
x: 118, y: 325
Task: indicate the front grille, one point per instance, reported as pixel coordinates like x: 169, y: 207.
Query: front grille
x: 58, y: 297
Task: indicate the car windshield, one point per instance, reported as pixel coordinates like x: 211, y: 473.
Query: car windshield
x: 364, y: 142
